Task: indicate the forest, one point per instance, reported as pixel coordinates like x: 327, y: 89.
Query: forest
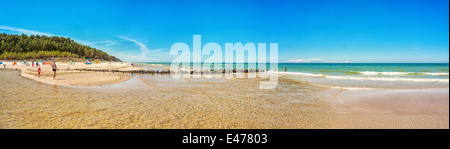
x: 23, y: 47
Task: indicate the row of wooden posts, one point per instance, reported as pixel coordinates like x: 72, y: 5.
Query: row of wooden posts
x: 212, y: 71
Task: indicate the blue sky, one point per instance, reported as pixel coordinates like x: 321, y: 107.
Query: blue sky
x: 306, y: 31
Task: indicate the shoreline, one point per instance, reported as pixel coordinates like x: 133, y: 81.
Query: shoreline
x: 106, y: 74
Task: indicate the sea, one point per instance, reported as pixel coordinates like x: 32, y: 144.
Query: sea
x: 363, y: 76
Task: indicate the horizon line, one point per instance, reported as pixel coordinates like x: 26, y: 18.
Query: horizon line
x: 329, y: 63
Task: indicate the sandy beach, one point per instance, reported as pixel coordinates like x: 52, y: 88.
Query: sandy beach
x: 67, y: 76
x: 118, y: 100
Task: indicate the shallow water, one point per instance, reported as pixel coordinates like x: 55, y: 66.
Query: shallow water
x: 160, y: 102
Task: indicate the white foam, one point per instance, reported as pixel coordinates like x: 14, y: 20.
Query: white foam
x: 400, y: 73
x: 387, y: 79
x: 436, y: 74
x: 353, y: 88
x: 371, y: 78
x: 302, y: 74
x: 383, y: 73
x: 346, y: 88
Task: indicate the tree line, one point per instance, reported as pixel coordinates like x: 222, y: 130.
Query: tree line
x: 21, y: 47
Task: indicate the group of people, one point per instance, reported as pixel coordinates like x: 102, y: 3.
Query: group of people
x: 32, y: 64
x: 54, y: 68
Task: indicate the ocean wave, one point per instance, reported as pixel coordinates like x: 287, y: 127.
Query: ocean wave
x: 345, y: 88
x: 302, y: 74
x: 436, y: 74
x: 375, y: 88
x: 364, y: 78
x: 382, y: 73
x: 402, y: 73
x: 354, y: 88
x: 387, y: 79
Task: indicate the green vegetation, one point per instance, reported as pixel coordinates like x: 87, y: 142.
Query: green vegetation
x: 21, y: 47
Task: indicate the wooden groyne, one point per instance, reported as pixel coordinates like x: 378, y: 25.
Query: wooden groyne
x: 211, y: 71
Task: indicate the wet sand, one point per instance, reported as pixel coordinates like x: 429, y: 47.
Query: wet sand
x: 159, y: 101
x: 398, y: 101
x: 409, y: 109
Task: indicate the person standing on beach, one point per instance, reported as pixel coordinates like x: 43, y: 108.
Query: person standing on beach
x: 285, y: 69
x: 4, y: 66
x: 39, y: 71
x: 32, y: 64
x: 54, y: 69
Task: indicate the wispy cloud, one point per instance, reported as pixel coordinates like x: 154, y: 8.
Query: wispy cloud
x: 157, y: 50
x: 32, y: 32
x: 25, y: 31
x: 144, y: 55
x: 316, y: 60
x: 142, y: 46
x: 107, y: 43
x: 110, y: 44
x: 417, y: 48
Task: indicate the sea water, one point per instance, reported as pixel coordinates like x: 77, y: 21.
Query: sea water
x: 351, y: 75
x: 372, y: 75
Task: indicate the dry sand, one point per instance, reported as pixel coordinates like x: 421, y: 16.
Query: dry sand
x: 66, y: 76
